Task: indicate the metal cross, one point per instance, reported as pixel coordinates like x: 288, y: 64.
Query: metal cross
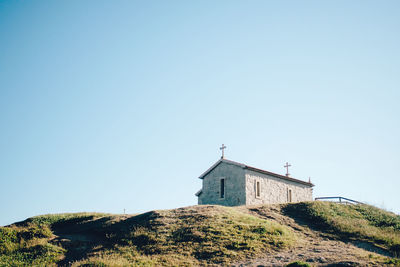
x: 287, y: 168
x: 222, y: 148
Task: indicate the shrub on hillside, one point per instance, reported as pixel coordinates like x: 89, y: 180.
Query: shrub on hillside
x: 8, y: 239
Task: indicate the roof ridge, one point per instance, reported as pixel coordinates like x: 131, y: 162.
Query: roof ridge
x: 254, y: 169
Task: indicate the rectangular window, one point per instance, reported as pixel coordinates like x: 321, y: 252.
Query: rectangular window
x: 258, y: 193
x: 289, y: 195
x: 222, y: 189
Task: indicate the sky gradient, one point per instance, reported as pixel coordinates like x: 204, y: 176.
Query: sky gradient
x: 113, y: 105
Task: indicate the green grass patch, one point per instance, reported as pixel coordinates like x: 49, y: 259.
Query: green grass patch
x: 51, y: 219
x: 23, y: 246
x: 393, y: 261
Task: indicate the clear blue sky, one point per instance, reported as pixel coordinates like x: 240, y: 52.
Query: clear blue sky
x: 106, y: 105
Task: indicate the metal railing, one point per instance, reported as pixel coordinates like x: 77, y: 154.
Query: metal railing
x: 341, y: 200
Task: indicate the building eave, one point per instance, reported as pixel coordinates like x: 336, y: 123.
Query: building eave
x: 244, y: 166
x: 279, y: 176
x: 199, y: 193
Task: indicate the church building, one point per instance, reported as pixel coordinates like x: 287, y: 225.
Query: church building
x: 231, y: 183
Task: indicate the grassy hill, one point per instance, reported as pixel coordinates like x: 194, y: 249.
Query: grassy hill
x: 352, y: 222
x: 207, y: 235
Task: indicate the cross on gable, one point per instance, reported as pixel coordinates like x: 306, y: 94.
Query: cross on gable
x: 222, y: 148
x: 287, y: 165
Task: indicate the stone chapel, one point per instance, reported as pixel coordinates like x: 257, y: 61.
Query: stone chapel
x: 230, y: 183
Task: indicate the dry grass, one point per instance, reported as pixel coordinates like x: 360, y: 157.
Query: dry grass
x: 196, y: 235
x: 187, y: 236
x: 354, y: 222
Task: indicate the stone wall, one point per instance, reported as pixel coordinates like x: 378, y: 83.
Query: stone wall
x: 235, y: 188
x: 274, y: 190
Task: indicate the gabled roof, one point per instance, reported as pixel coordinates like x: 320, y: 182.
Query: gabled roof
x: 244, y: 166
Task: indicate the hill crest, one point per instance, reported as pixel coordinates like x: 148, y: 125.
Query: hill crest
x: 317, y: 232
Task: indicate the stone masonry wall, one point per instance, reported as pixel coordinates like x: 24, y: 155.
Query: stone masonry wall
x: 274, y: 190
x: 235, y: 188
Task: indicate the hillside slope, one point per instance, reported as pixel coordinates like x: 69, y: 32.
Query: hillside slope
x: 274, y: 235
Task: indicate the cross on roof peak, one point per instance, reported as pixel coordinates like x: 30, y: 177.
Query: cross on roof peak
x: 287, y: 165
x: 222, y: 148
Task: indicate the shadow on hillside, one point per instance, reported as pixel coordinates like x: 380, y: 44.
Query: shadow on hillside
x: 83, y: 236
x: 299, y: 212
